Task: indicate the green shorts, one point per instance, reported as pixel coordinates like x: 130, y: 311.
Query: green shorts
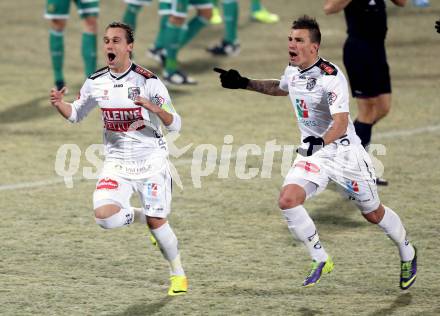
x: 180, y: 7
x: 138, y: 2
x: 59, y: 9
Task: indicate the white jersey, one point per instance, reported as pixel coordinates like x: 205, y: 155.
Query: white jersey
x: 131, y: 132
x: 317, y: 93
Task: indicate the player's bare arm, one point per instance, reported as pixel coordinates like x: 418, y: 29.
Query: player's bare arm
x: 164, y: 116
x: 57, y: 101
x: 267, y: 86
x: 338, y: 129
x: 335, y: 6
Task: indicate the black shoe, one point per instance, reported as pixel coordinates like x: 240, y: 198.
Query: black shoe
x: 382, y: 182
x: 158, y: 54
x: 178, y: 78
x: 225, y: 49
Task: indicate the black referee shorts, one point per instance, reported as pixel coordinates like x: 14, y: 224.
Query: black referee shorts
x: 367, y: 67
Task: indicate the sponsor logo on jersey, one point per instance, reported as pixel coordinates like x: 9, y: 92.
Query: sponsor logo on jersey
x: 118, y: 85
x: 331, y: 98
x: 301, y: 108
x: 311, y: 83
x: 307, y: 166
x: 152, y: 189
x: 121, y: 119
x: 352, y: 186
x: 107, y: 184
x: 133, y: 92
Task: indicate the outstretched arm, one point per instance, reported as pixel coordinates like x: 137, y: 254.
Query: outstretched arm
x: 267, y: 86
x: 231, y: 79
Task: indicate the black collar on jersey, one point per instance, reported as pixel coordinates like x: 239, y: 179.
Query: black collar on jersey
x: 124, y: 74
x: 308, y: 68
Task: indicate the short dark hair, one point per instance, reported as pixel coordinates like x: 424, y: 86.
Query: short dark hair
x: 129, y: 34
x: 308, y: 23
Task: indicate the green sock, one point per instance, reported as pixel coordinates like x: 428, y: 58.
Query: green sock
x: 171, y: 43
x: 159, y: 42
x: 230, y: 12
x: 255, y: 5
x: 56, y: 48
x: 88, y: 50
x: 130, y: 15
x: 194, y: 27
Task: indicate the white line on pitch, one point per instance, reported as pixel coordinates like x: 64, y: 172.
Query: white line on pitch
x: 377, y: 136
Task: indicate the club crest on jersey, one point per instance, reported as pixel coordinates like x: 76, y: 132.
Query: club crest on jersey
x: 301, y: 107
x: 311, y: 83
x: 158, y: 100
x: 331, y: 98
x: 133, y: 92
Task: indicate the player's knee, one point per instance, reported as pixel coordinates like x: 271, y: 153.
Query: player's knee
x: 176, y: 20
x: 105, y: 211
x: 91, y: 25
x: 155, y: 222
x: 375, y: 216
x: 206, y: 14
x: 289, y: 201
x: 58, y: 24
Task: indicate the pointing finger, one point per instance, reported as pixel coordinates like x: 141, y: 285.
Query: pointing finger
x: 219, y: 70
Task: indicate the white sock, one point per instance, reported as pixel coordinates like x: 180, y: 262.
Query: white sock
x: 121, y: 218
x: 393, y: 227
x: 302, y: 227
x: 167, y: 241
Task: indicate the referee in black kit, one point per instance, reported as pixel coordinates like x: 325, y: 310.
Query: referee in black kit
x: 365, y: 61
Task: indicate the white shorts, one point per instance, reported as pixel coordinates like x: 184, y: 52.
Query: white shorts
x: 350, y: 167
x: 154, y: 192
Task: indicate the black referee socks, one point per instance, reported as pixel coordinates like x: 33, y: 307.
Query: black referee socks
x: 363, y: 130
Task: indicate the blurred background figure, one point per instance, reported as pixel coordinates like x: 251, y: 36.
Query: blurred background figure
x: 157, y: 50
x: 437, y: 26
x: 258, y: 13
x: 177, y: 33
x: 421, y: 3
x: 132, y: 10
x: 229, y: 45
x: 57, y: 11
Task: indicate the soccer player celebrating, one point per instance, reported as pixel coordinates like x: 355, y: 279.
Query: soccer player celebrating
x: 134, y: 104
x: 330, y: 149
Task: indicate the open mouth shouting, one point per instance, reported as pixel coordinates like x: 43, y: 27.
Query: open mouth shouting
x: 292, y: 54
x: 111, y: 58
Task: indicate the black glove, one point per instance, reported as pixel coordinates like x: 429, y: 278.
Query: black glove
x: 315, y: 144
x: 232, y: 79
x: 437, y: 26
